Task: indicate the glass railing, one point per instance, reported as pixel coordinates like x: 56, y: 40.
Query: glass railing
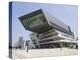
x: 49, y: 40
x: 52, y: 30
x: 49, y: 35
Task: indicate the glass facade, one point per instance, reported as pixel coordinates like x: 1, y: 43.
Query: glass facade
x: 34, y: 21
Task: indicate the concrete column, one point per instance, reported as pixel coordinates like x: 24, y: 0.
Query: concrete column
x: 61, y: 45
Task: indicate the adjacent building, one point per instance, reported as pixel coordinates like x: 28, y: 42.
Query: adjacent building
x: 48, y: 31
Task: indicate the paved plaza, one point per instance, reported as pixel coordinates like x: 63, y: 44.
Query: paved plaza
x: 20, y: 54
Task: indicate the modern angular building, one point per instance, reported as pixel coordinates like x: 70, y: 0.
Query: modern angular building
x: 48, y: 31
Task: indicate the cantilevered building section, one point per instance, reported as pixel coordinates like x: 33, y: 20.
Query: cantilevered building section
x: 48, y: 31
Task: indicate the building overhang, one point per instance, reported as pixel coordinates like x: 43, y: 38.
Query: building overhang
x: 39, y: 22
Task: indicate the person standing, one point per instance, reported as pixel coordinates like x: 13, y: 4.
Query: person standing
x: 26, y: 46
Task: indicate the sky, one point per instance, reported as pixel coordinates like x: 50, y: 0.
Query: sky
x: 68, y: 14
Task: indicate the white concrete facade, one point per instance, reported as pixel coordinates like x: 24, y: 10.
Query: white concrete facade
x: 52, y: 37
